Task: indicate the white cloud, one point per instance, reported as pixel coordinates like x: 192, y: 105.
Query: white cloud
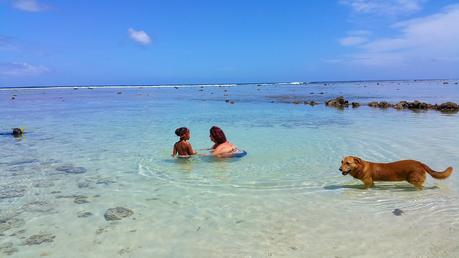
x: 356, y: 37
x: 29, y: 5
x: 352, y: 40
x: 433, y: 38
x: 21, y: 69
x: 384, y: 7
x: 139, y: 36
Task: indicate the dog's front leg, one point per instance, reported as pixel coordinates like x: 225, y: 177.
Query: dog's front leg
x: 368, y: 182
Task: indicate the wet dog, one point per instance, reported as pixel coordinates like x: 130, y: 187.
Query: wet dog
x: 405, y: 170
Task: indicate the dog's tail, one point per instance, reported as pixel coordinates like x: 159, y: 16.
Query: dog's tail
x: 438, y: 175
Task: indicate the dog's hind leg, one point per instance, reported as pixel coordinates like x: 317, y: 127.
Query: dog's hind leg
x: 417, y: 180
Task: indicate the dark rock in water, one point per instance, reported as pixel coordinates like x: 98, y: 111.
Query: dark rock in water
x: 9, y: 223
x: 69, y: 196
x: 117, y: 213
x: 39, y: 239
x: 296, y: 102
x: 105, y: 181
x: 355, y: 104
x: 227, y: 101
x: 84, y: 214
x: 81, y: 200
x: 373, y: 104
x: 418, y: 105
x: 11, y: 192
x: 19, y: 232
x: 231, y: 102
x: 448, y: 107
x: 311, y: 103
x: 38, y: 206
x: 397, y: 212
x: 83, y: 184
x: 445, y: 82
x: 22, y: 162
x: 119, y: 92
x: 7, y: 248
x: 401, y: 105
x: 382, y: 104
x: 338, y: 102
x: 70, y: 169
x: 43, y: 184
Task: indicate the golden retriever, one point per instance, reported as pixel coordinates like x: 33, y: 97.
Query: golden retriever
x: 410, y: 170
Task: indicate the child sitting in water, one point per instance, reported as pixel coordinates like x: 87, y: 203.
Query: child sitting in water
x: 183, y: 147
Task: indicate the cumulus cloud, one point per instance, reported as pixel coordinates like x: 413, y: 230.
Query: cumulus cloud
x: 139, y: 36
x: 29, y: 5
x: 21, y: 69
x: 384, y: 7
x: 433, y: 38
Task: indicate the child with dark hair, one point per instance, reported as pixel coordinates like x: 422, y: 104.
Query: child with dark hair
x: 183, y: 147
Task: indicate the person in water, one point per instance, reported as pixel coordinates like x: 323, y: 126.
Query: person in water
x: 222, y: 146
x: 183, y: 147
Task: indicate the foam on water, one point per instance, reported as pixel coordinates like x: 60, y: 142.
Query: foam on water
x: 286, y: 198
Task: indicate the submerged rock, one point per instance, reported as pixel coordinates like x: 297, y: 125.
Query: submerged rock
x: 397, y: 212
x: 11, y: 192
x: 105, y: 181
x: 7, y: 248
x: 355, y: 104
x: 84, y: 214
x: 38, y: 206
x: 83, y: 184
x: 311, y: 103
x: 338, y: 102
x: 43, y: 184
x: 117, y: 213
x: 9, y: 223
x: 40, y: 238
x: 70, y: 169
x: 81, y: 200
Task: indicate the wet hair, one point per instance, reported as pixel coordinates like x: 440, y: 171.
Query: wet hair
x: 17, y: 132
x: 180, y: 132
x: 218, y: 135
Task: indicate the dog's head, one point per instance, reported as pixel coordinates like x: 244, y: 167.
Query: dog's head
x: 349, y: 164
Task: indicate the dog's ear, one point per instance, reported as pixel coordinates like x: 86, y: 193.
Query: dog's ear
x: 358, y: 160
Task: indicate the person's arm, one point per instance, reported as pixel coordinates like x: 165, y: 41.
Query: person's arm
x: 190, y: 150
x: 174, y: 151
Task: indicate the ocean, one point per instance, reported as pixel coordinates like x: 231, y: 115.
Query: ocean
x: 89, y: 149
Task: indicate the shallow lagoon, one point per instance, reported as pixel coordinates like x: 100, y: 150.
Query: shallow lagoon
x: 286, y: 198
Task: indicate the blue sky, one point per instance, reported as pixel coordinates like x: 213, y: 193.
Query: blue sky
x: 44, y: 42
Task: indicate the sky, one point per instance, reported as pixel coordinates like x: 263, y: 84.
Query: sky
x: 87, y: 42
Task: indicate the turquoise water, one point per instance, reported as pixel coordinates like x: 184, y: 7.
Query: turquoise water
x: 286, y: 198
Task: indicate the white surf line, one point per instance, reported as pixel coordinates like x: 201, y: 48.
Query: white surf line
x: 118, y: 87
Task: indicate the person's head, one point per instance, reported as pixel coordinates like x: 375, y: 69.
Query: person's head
x: 183, y: 133
x: 17, y: 132
x: 217, y: 135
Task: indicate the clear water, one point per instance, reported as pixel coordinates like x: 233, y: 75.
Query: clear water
x: 286, y: 198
